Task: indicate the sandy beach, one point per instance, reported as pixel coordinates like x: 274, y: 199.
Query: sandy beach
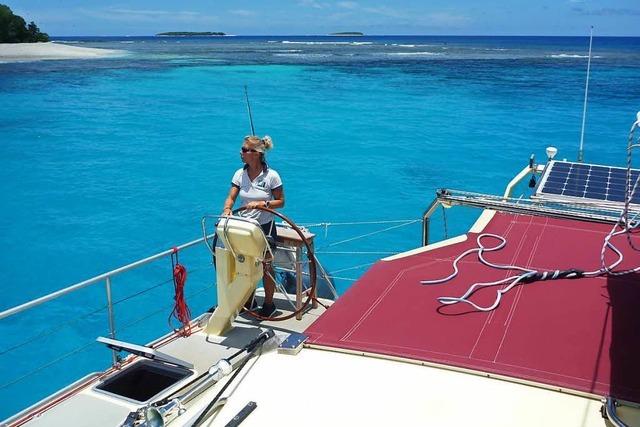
x: 20, y: 52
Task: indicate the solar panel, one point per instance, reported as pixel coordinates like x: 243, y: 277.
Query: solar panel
x: 585, y: 181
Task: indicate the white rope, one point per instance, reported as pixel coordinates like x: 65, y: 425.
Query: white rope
x: 478, y: 285
x: 472, y: 289
x: 627, y: 226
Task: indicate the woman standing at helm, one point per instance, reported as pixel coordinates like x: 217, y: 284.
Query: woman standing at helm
x: 258, y: 186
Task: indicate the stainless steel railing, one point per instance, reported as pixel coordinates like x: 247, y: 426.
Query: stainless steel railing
x: 106, y: 279
x: 444, y: 198
x: 104, y: 276
x: 610, y: 412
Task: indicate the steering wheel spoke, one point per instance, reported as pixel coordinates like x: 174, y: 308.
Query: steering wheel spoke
x: 310, y: 261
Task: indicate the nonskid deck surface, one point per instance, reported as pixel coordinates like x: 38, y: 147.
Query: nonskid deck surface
x: 284, y: 308
x: 89, y: 407
x: 581, y: 334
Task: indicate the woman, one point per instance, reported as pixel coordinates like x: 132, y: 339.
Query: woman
x: 258, y: 186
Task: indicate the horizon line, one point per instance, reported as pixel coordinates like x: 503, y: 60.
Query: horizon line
x: 346, y: 36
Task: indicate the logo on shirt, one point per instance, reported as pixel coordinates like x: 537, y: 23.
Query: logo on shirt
x: 261, y: 184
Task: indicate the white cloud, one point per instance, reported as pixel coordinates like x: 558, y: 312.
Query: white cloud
x: 446, y: 19
x: 607, y: 11
x: 347, y: 5
x: 386, y: 11
x: 372, y: 15
x: 242, y: 12
x: 313, y: 3
x: 147, y: 15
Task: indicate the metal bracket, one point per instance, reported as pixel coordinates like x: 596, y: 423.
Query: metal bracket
x: 244, y: 413
x: 610, y: 413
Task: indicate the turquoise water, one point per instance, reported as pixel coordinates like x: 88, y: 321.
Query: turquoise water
x: 108, y: 161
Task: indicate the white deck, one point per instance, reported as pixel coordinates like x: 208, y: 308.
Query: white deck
x: 320, y: 387
x: 324, y: 388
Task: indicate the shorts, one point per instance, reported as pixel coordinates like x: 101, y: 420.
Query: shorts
x: 270, y: 232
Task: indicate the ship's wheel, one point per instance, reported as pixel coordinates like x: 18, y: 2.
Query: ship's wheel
x: 310, y: 259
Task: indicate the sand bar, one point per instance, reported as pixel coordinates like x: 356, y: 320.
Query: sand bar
x: 20, y: 52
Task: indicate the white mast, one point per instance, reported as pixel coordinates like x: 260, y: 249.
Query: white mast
x: 586, y: 93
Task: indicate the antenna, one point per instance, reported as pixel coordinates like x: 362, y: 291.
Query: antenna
x: 586, y: 93
x: 246, y: 95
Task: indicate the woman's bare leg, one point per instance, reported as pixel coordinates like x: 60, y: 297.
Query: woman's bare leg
x: 267, y: 281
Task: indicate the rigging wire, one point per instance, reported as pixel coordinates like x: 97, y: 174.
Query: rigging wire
x: 92, y: 342
x: 390, y: 221
x: 56, y: 328
x: 373, y: 233
x: 354, y: 267
x: 46, y: 365
x: 356, y: 253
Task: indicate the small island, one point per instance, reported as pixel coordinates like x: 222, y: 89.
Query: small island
x: 347, y: 34
x: 190, y: 33
x: 14, y: 29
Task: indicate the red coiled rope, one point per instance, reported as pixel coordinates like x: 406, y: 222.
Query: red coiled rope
x: 180, y: 309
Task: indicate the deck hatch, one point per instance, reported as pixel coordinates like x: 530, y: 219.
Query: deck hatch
x: 140, y: 350
x: 143, y: 380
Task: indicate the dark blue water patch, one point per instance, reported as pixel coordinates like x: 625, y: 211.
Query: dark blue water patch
x: 157, y: 52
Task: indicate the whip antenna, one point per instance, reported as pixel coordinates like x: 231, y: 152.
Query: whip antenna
x: 584, y: 108
x: 246, y: 95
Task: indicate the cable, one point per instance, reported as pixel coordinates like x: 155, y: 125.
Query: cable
x: 331, y: 224
x: 372, y: 233
x: 626, y: 225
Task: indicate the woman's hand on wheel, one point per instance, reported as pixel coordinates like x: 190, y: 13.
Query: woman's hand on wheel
x: 253, y: 205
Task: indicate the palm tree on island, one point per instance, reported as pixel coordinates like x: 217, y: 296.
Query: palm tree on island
x: 14, y: 29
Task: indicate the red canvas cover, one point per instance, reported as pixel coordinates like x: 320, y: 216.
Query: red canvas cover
x: 582, y: 334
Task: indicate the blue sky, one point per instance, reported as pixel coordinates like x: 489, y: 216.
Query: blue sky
x: 287, y: 17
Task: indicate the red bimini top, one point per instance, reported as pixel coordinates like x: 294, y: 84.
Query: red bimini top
x: 581, y: 334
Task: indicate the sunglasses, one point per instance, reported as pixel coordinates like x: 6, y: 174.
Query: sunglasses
x: 248, y: 150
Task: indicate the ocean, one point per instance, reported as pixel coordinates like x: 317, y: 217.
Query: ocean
x: 106, y: 161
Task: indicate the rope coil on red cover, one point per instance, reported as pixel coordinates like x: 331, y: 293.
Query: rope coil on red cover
x: 180, y: 310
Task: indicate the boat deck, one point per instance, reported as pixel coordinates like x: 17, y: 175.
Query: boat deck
x: 87, y: 406
x: 582, y: 335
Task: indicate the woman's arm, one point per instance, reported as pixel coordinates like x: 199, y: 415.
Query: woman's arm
x: 278, y: 198
x: 277, y: 202
x: 231, y: 199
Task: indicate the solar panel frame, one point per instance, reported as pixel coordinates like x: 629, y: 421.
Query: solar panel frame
x: 563, y: 180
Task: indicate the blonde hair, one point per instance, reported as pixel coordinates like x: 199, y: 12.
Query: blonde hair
x: 259, y: 144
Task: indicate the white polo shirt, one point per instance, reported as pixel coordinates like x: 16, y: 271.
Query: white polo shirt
x: 260, y: 189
